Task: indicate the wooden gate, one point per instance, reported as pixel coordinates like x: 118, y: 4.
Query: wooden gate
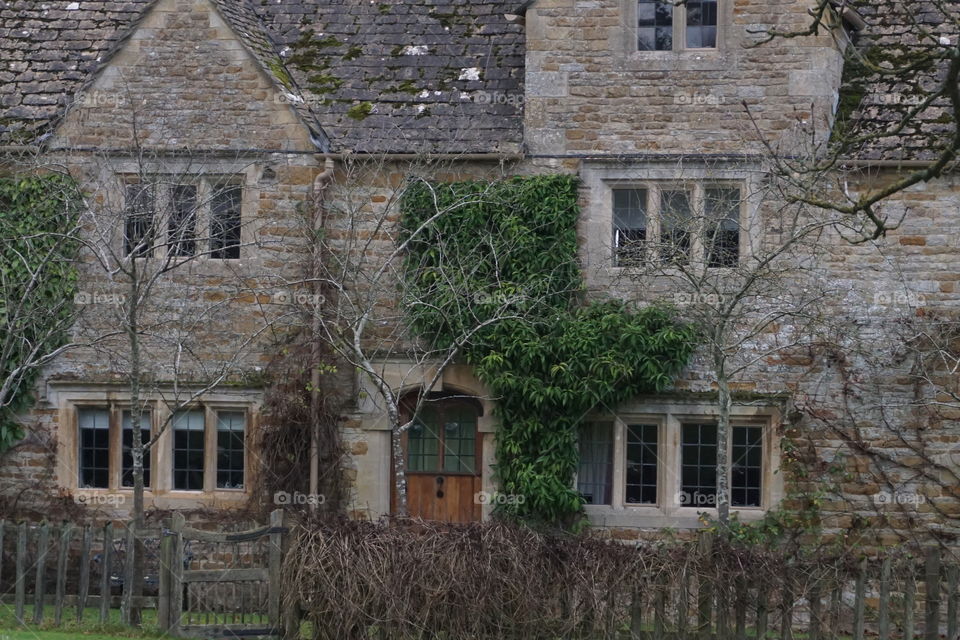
x: 221, y: 585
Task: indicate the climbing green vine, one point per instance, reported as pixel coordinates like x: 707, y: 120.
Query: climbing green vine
x: 38, y: 281
x: 502, y: 257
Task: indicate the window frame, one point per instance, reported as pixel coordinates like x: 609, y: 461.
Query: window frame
x: 698, y: 245
x: 115, y: 411
x: 668, y: 511
x: 162, y: 189
x: 631, y: 11
x: 161, y: 494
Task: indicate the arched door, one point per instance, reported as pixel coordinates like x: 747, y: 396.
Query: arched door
x: 443, y: 450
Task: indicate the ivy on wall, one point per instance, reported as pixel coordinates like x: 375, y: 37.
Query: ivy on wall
x: 507, y: 251
x: 38, y: 280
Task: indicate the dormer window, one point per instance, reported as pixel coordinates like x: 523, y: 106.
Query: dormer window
x: 666, y: 26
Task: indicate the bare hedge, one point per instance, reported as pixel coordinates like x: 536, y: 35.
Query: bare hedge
x: 493, y: 580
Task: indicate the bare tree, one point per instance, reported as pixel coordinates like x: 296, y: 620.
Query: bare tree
x: 898, y: 108
x: 738, y: 261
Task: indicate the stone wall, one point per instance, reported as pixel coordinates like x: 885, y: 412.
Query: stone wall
x: 589, y: 91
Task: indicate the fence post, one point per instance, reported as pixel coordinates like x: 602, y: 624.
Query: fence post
x: 21, y: 577
x: 84, y: 590
x: 3, y: 526
x: 740, y: 608
x: 105, y: 578
x: 636, y: 613
x: 908, y: 602
x: 659, y: 607
x: 683, y: 604
x: 860, y: 600
x: 952, y: 602
x: 129, y: 575
x: 885, y: 599
x: 63, y: 552
x: 836, y: 613
x: 166, y: 561
x: 932, y: 626
x: 176, y: 570
x: 276, y: 560
x: 786, y: 610
x: 762, y: 612
x: 40, y: 582
x: 815, y: 611
x: 704, y: 590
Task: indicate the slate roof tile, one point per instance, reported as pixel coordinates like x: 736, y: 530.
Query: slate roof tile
x: 402, y: 60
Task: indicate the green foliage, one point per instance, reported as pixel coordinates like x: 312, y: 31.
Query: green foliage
x: 35, y: 214
x: 502, y: 256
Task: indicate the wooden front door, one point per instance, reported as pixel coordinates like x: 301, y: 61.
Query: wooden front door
x: 443, y: 463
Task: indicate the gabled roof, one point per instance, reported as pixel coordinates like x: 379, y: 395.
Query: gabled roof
x: 400, y: 75
x: 898, y: 33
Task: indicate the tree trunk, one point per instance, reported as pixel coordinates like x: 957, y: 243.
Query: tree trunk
x: 136, y: 446
x: 723, y: 438
x: 399, y: 462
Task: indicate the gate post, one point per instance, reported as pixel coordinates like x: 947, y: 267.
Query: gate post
x: 176, y: 575
x: 276, y: 560
x: 166, y: 560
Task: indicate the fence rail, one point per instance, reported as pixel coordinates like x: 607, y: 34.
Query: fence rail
x: 59, y: 566
x: 214, y: 584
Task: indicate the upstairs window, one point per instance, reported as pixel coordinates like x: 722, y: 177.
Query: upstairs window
x: 225, y: 222
x: 141, y: 218
x: 666, y: 26
x: 665, y: 224
x: 182, y: 217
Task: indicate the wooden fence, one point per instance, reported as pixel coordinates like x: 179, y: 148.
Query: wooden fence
x: 233, y: 590
x: 70, y: 568
x: 885, y: 597
x: 208, y: 584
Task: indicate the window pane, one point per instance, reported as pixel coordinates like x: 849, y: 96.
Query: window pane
x: 642, y: 463
x: 183, y: 220
x: 230, y: 438
x: 225, y: 222
x: 698, y: 477
x: 746, y: 468
x: 139, y: 212
x: 701, y: 24
x: 722, y: 211
x: 188, y: 450
x: 94, y: 427
x: 629, y: 225
x: 126, y: 473
x: 675, y: 221
x: 654, y: 25
x: 595, y: 474
x: 423, y: 443
x: 460, y: 437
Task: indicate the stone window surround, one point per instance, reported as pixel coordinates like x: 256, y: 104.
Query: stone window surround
x: 656, y: 60
x: 246, y: 174
x: 70, y: 398
x: 668, y: 415
x: 600, y: 179
x: 696, y: 190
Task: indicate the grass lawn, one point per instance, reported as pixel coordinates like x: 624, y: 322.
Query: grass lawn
x: 89, y: 629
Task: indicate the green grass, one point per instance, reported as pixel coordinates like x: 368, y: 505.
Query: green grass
x: 89, y: 628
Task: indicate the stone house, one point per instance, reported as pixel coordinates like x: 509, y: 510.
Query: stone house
x: 203, y: 102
